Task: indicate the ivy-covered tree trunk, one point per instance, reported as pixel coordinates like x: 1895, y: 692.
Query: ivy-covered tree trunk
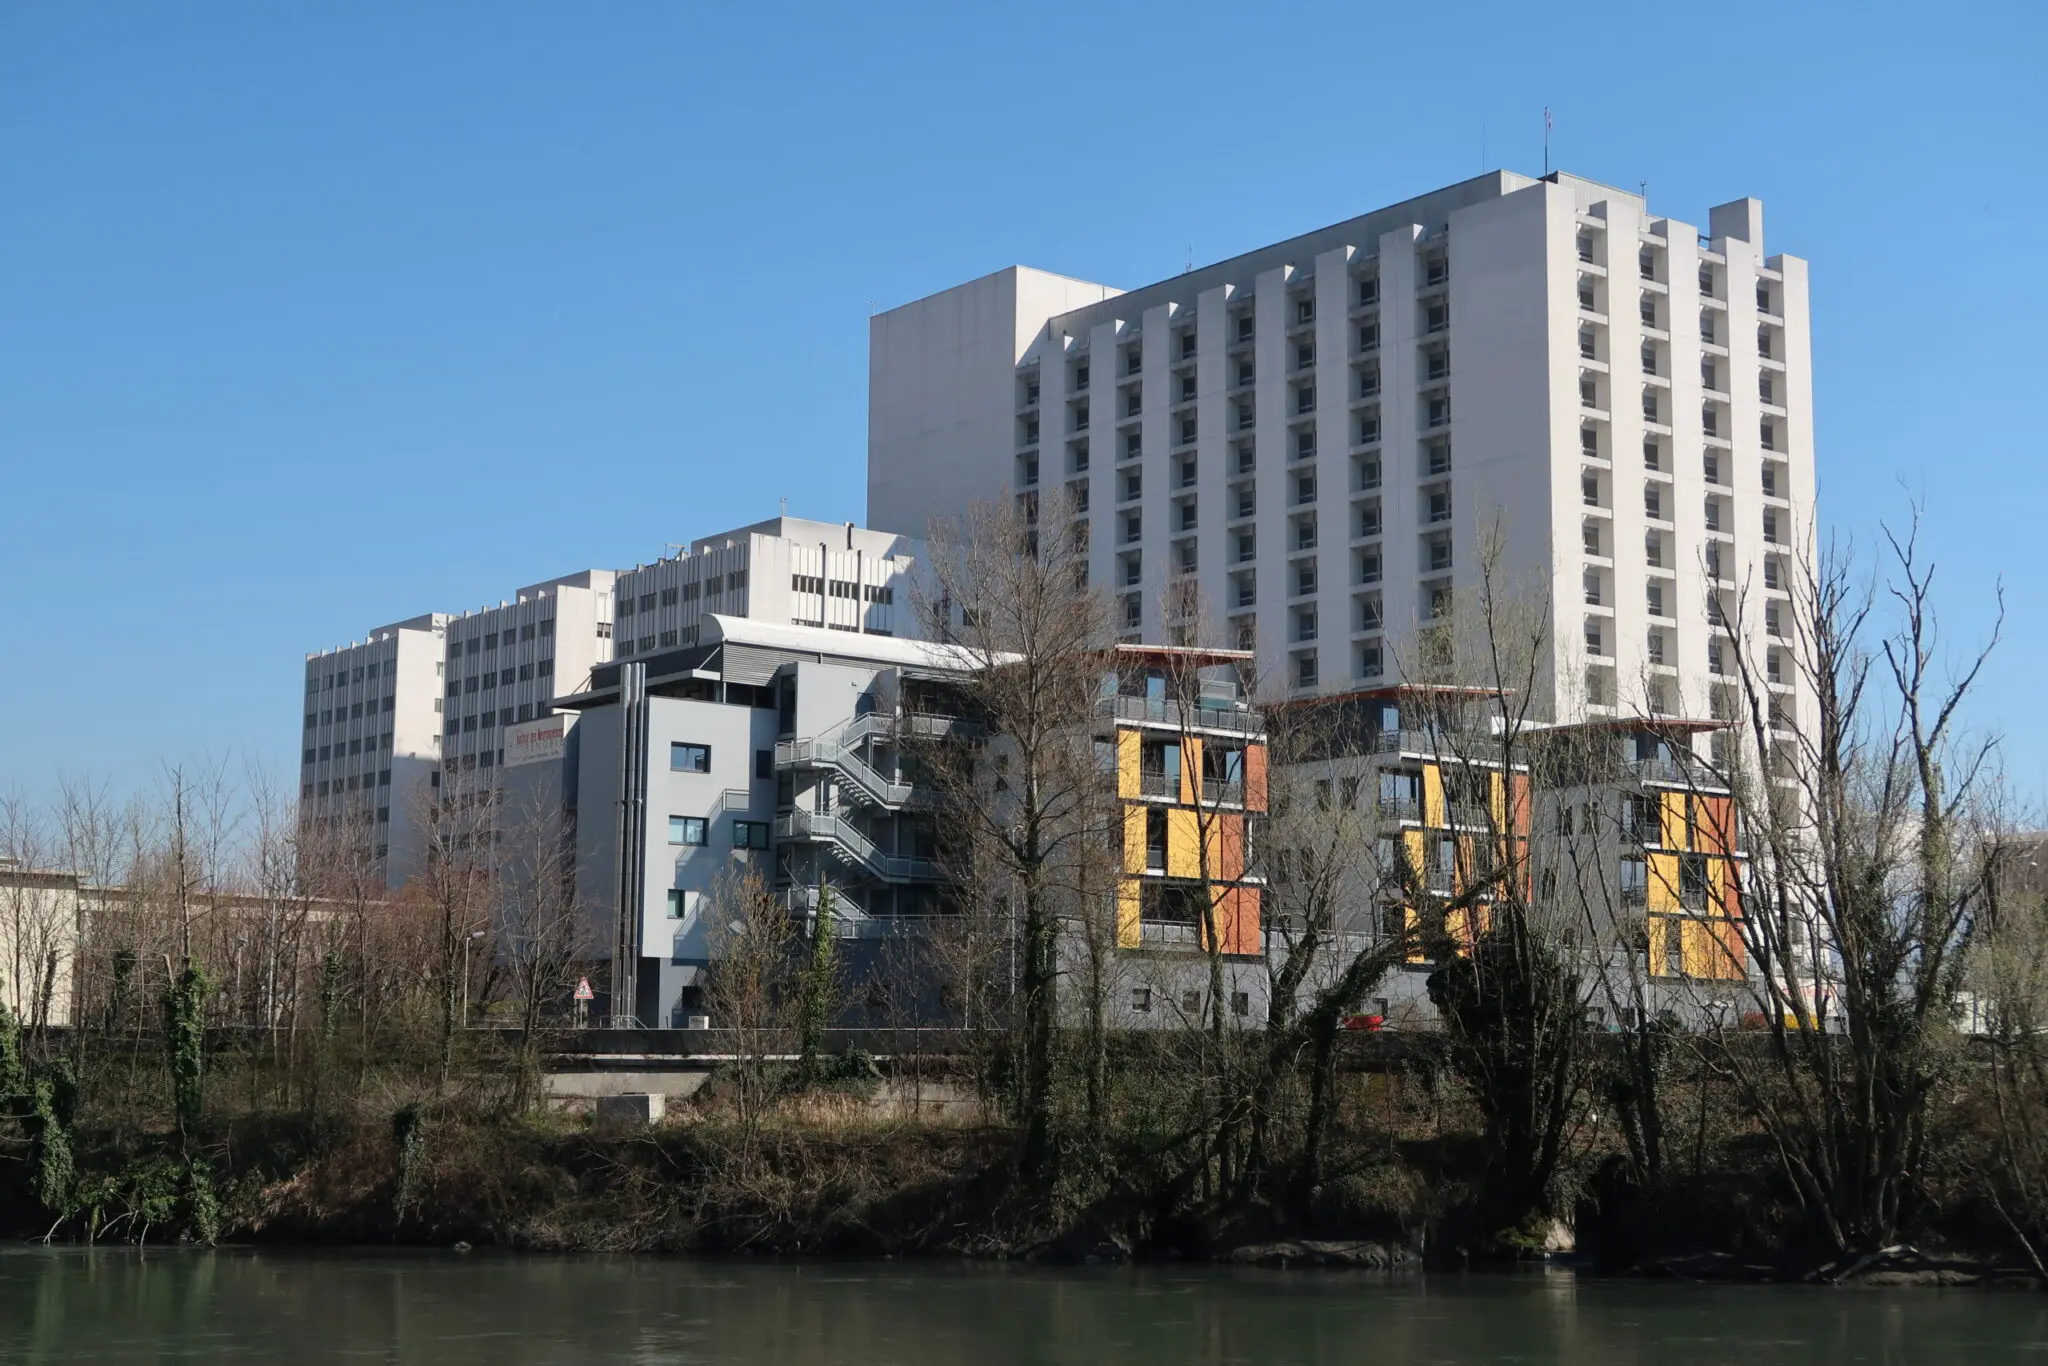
x: 817, y: 1002
x: 185, y: 1043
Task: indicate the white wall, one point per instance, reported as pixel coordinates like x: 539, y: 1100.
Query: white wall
x: 942, y: 392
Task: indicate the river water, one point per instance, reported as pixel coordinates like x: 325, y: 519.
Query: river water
x: 239, y: 1306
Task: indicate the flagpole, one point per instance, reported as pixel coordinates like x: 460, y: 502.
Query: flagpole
x: 1546, y: 140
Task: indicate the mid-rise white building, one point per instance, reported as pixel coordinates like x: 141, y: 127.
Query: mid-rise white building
x: 507, y: 664
x: 1324, y: 436
x: 787, y: 570
x: 466, y: 695
x: 372, y: 744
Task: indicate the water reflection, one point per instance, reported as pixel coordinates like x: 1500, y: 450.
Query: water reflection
x: 121, y: 1306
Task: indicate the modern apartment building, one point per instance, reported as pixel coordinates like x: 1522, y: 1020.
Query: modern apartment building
x: 787, y: 750
x: 1324, y: 436
x: 1615, y: 828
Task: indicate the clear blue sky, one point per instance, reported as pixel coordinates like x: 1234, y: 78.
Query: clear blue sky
x: 313, y: 316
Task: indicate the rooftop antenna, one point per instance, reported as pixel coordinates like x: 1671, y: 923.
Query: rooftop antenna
x: 1191, y: 260
x: 785, y: 507
x: 1643, y: 188
x: 1546, y: 139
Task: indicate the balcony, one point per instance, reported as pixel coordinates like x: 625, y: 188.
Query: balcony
x: 1158, y: 783
x: 1160, y: 711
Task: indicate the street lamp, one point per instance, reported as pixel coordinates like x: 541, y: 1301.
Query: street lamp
x: 468, y: 941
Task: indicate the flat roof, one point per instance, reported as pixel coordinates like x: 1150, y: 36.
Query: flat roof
x: 819, y: 640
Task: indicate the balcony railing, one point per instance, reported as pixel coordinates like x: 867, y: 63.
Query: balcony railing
x: 1159, y: 785
x: 1216, y: 792
x: 1168, y: 712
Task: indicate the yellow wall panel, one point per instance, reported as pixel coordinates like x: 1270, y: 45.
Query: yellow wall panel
x: 1183, y: 843
x: 1129, y: 913
x: 1128, y: 747
x: 1134, y: 839
x: 1411, y: 846
x: 1433, y: 796
x: 1663, y: 882
x: 1191, y: 769
x: 1673, y: 811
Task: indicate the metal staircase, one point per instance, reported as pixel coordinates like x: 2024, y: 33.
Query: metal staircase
x: 843, y: 840
x: 841, y: 755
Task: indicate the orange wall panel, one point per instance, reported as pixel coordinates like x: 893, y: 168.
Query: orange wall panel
x: 1255, y: 777
x: 1237, y: 917
x: 1226, y: 848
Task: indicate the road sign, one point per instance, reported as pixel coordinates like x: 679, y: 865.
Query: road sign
x: 583, y: 991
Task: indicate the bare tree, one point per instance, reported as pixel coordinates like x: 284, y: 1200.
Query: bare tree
x: 752, y: 944
x: 545, y: 932
x: 1021, y: 808
x: 1509, y: 997
x: 1872, y: 864
x: 2008, y: 982
x: 457, y: 882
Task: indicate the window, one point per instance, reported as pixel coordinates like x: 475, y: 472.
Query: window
x: 1592, y: 584
x: 686, y: 830
x: 687, y: 758
x: 1653, y: 599
x: 749, y: 835
x: 679, y: 903
x: 1588, y: 344
x: 1653, y: 502
x: 1770, y: 526
x: 1653, y: 549
x: 1591, y: 535
x: 1653, y: 455
x: 1586, y: 246
x: 1437, y: 551
x: 1305, y: 311
x: 1141, y: 999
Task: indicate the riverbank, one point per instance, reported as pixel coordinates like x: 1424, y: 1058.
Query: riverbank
x: 836, y: 1176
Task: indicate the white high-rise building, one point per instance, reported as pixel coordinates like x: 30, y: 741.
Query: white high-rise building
x: 1325, y: 435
